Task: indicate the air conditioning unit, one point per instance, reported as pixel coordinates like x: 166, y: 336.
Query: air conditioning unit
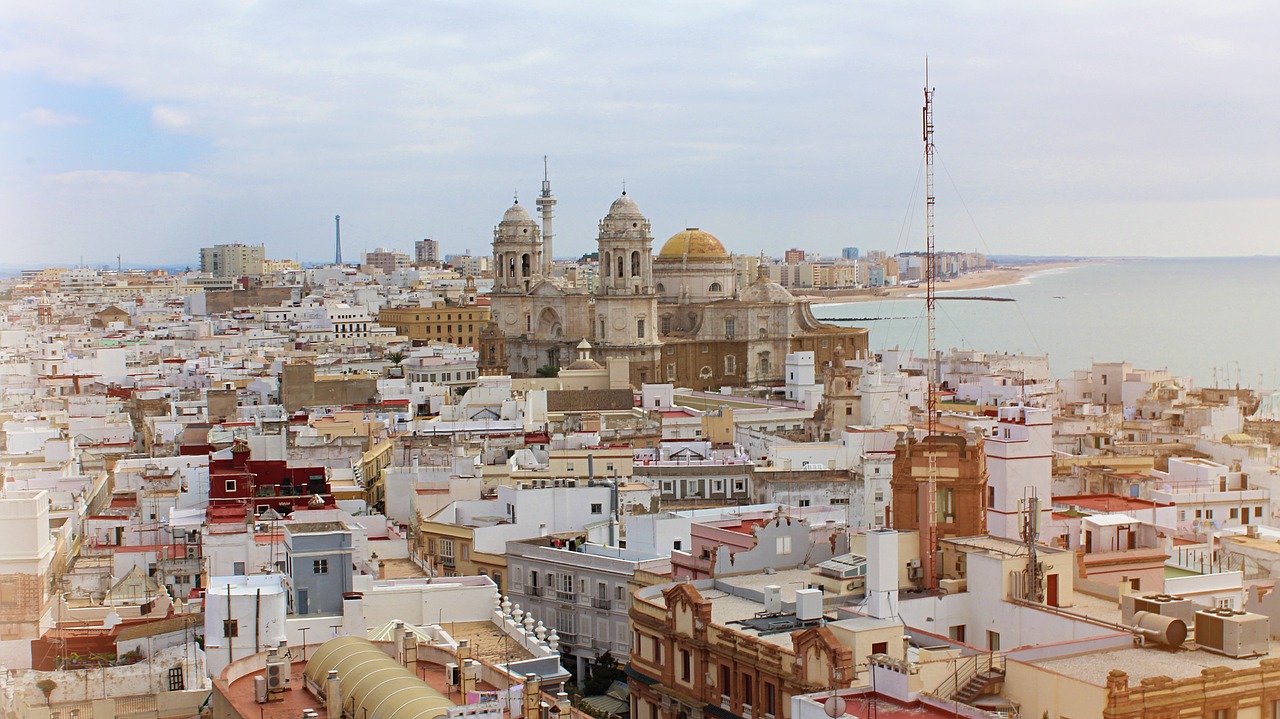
x: 452, y: 676
x: 523, y: 485
x: 260, y: 693
x: 1166, y: 605
x: 570, y: 482
x: 914, y: 571
x: 277, y: 677
x: 1233, y: 634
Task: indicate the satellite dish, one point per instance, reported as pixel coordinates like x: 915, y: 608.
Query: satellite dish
x: 834, y: 706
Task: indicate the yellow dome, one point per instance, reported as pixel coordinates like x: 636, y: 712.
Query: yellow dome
x: 693, y: 244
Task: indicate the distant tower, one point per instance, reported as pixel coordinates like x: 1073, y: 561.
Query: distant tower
x: 546, y: 204
x: 337, y: 229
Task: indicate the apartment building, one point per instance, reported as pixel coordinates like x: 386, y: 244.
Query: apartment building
x: 580, y: 589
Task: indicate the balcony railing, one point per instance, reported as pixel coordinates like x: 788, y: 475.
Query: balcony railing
x: 602, y: 603
x: 446, y: 561
x: 533, y: 591
x: 566, y: 596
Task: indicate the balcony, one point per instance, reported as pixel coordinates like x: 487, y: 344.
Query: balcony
x: 566, y: 596
x: 533, y: 591
x: 602, y: 603
x: 446, y: 561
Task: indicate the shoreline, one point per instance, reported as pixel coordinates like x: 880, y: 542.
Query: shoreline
x: 1001, y: 276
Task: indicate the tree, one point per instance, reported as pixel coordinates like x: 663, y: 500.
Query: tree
x: 604, y: 672
x: 397, y: 357
x: 548, y: 370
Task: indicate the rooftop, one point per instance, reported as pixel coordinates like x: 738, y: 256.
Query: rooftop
x: 1141, y: 663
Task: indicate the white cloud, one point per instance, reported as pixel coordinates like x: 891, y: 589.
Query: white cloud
x: 167, y: 117
x: 772, y: 116
x: 44, y: 117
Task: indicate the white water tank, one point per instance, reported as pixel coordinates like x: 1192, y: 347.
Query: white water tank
x: 808, y: 604
x: 773, y: 599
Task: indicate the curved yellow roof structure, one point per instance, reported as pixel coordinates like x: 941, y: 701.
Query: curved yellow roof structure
x: 372, y: 684
x: 693, y: 244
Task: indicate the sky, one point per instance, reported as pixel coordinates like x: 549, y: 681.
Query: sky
x: 145, y: 130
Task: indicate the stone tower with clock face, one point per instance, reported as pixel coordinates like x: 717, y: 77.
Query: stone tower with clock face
x: 625, y: 301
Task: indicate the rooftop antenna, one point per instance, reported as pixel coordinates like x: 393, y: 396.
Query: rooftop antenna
x: 930, y: 508
x: 337, y: 231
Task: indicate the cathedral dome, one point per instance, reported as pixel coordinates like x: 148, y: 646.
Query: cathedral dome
x: 770, y: 293
x: 624, y: 207
x: 517, y: 213
x: 693, y: 244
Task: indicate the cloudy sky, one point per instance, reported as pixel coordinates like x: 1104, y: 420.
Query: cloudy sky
x: 150, y: 129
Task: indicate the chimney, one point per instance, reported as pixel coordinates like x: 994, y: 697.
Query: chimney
x: 882, y: 573
x: 333, y: 696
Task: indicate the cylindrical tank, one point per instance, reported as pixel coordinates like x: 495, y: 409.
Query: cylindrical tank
x: 1164, y: 630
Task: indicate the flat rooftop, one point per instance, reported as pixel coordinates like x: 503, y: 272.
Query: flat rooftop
x: 729, y: 605
x: 1141, y: 663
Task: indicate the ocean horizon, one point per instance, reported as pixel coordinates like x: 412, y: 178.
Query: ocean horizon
x: 1211, y: 319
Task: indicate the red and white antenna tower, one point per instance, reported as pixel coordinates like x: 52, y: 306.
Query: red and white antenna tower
x: 929, y: 510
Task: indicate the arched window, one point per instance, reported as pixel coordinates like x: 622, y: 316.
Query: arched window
x: 635, y: 264
x: 621, y: 267
x: 661, y: 288
x: 524, y: 265
x: 715, y: 287
x: 763, y: 361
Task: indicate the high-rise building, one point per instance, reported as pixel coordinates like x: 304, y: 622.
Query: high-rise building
x: 793, y: 256
x: 233, y: 260
x: 849, y: 253
x: 386, y: 261
x: 426, y: 252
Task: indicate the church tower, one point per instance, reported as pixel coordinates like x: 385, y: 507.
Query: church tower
x: 626, y: 304
x: 517, y: 252
x: 546, y: 205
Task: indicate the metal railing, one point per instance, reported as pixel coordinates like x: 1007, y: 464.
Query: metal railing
x: 602, y: 603
x: 966, y: 668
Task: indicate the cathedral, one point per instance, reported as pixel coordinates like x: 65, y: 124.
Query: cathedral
x: 682, y: 316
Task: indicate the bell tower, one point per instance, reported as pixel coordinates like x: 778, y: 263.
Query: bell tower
x: 517, y: 252
x: 626, y: 303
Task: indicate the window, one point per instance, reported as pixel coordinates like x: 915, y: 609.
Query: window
x: 230, y: 628
x: 686, y: 666
x: 993, y: 641
x: 770, y: 698
x: 715, y: 287
x: 730, y: 364
x: 784, y: 545
x: 991, y: 496
x: 1235, y: 513
x: 1257, y: 511
x: 730, y: 327
x: 231, y: 485
x: 804, y: 503
x: 176, y: 681
x: 320, y: 566
x: 666, y: 324
x: 640, y: 329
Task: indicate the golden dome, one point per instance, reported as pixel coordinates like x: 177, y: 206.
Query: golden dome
x: 693, y: 244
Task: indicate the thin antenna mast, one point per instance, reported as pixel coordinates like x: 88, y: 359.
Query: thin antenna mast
x: 930, y: 510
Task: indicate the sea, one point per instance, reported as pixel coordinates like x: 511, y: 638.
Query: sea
x: 1216, y: 320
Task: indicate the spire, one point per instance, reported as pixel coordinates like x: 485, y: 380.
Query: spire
x: 546, y: 203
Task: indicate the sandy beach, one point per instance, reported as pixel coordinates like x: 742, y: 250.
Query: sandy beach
x: 985, y: 279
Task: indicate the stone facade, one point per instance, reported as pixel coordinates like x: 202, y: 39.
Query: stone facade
x: 682, y: 664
